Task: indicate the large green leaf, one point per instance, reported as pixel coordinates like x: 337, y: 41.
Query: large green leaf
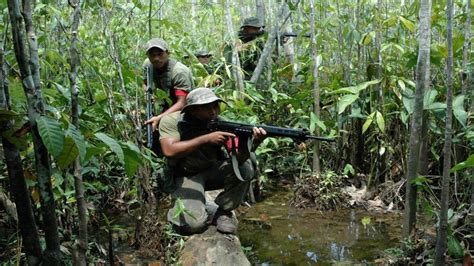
x: 113, y: 145
x: 52, y: 134
x: 79, y: 140
x: 429, y: 97
x: 69, y: 153
x: 356, y: 89
x: 469, y: 163
x: 455, y: 249
x: 409, y: 101
x: 345, y: 101
x: 458, y: 109
x: 133, y: 158
x: 316, y: 122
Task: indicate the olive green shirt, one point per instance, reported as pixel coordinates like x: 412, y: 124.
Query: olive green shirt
x: 175, y: 76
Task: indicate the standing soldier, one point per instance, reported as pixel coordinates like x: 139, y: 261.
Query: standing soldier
x: 168, y: 75
x: 250, y: 33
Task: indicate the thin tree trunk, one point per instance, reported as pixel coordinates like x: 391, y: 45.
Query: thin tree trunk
x: 422, y: 83
x: 80, y: 248
x: 441, y: 242
x: 236, y: 69
x: 267, y: 49
x: 465, y: 52
x: 194, y: 14
x: 380, y: 167
x: 260, y: 10
x: 316, y: 98
x: 150, y: 11
x: 19, y: 190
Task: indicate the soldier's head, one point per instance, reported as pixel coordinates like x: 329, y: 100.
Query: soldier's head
x: 158, y: 52
x: 203, y: 104
x: 251, y: 25
x: 203, y: 56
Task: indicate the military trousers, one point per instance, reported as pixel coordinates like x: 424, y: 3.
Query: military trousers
x: 190, y: 194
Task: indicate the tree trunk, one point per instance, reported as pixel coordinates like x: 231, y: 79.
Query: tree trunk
x: 32, y: 89
x: 316, y: 108
x: 424, y: 148
x: 236, y: 69
x: 19, y: 190
x: 260, y: 10
x: 441, y: 242
x: 422, y: 83
x: 381, y: 165
x: 80, y: 247
x: 150, y: 11
x: 465, y: 50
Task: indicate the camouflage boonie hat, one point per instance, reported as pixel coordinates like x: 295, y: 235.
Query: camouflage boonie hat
x: 200, y: 96
x: 202, y: 53
x: 156, y: 43
x: 252, y: 22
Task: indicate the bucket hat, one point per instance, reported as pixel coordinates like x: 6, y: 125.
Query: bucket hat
x: 252, y: 22
x: 200, y: 96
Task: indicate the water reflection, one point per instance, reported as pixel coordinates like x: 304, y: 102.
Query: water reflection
x: 302, y: 237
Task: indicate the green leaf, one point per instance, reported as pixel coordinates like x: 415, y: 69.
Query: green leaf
x: 380, y: 121
x: 345, y: 101
x: 409, y: 101
x: 367, y: 38
x: 69, y: 153
x: 408, y: 24
x: 348, y: 169
x: 458, y: 109
x: 356, y: 89
x: 79, y: 140
x: 316, y: 122
x: 365, y: 221
x: 133, y: 158
x: 455, y: 249
x: 113, y: 145
x: 52, y: 134
x: 429, y: 97
x: 436, y: 105
x: 469, y: 163
x: 368, y: 122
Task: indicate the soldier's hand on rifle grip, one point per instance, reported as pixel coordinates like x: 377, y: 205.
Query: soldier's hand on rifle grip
x: 154, y: 121
x: 259, y: 134
x: 219, y: 137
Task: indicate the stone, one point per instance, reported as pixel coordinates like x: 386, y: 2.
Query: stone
x: 212, y: 248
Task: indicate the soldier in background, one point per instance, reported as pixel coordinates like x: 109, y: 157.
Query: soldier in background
x: 252, y: 35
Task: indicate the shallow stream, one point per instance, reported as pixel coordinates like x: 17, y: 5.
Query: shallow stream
x: 280, y: 235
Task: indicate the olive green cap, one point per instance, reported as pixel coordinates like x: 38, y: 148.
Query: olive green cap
x: 200, y: 96
x: 202, y: 53
x: 156, y: 43
x: 252, y: 22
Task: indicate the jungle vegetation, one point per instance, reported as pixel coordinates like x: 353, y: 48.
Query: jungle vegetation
x: 391, y: 80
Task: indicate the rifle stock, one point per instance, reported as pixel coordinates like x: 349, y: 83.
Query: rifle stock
x: 149, y: 105
x: 241, y: 129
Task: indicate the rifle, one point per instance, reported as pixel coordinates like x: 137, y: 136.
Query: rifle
x: 294, y: 34
x: 149, y: 105
x: 241, y: 129
x: 246, y: 130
